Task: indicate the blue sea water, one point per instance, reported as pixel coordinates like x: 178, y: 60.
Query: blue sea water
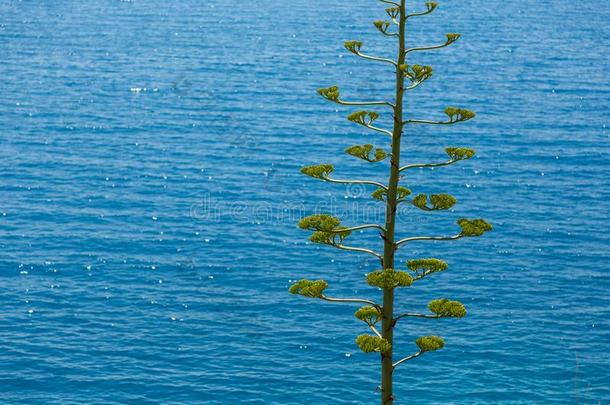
x: 149, y: 189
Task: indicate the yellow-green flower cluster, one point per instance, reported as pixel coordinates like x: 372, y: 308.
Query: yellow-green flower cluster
x: 353, y: 46
x: 430, y: 343
x: 382, y: 26
x: 370, y: 344
x: 381, y: 194
x: 318, y: 171
x: 388, y: 278
x: 459, y: 114
x: 393, y: 12
x: 363, y: 117
x: 431, y: 6
x: 330, y: 238
x: 426, y: 266
x: 327, y: 229
x: 330, y: 93
x: 319, y: 222
x: 368, y: 314
x: 474, y: 227
x: 438, y: 202
x: 417, y: 73
x: 446, y: 308
x: 308, y: 288
x: 459, y: 153
x: 452, y: 37
x: 364, y: 152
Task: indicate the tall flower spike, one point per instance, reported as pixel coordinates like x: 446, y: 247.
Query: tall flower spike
x: 353, y: 46
x: 330, y: 93
x: 325, y: 229
x: 474, y: 227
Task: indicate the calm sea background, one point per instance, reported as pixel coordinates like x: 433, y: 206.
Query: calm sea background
x: 149, y: 190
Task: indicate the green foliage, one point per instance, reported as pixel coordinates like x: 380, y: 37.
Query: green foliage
x: 363, y: 117
x: 424, y: 267
x: 370, y: 344
x: 459, y: 114
x: 353, y: 46
x: 330, y: 93
x: 318, y: 171
x: 393, y: 12
x: 452, y: 37
x: 459, y: 153
x: 388, y: 278
x: 417, y: 73
x: 474, y: 227
x: 438, y: 202
x: 364, y: 152
x: 308, y: 288
x: 382, y: 26
x: 319, y: 222
x: 430, y: 343
x: 445, y: 308
x: 368, y: 314
x: 381, y: 194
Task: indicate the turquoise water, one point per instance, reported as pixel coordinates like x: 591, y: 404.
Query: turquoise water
x: 149, y: 189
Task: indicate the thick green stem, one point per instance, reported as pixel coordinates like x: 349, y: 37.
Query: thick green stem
x: 387, y: 395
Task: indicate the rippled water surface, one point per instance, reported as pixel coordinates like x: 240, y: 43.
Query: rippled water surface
x: 149, y: 189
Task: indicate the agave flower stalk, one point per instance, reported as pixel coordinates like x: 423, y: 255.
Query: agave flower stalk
x: 381, y: 318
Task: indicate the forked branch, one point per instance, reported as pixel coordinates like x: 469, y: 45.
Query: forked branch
x: 454, y: 115
x: 354, y: 47
x: 451, y: 38
x: 430, y: 8
x: 322, y: 172
x: 332, y: 94
x: 366, y: 119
